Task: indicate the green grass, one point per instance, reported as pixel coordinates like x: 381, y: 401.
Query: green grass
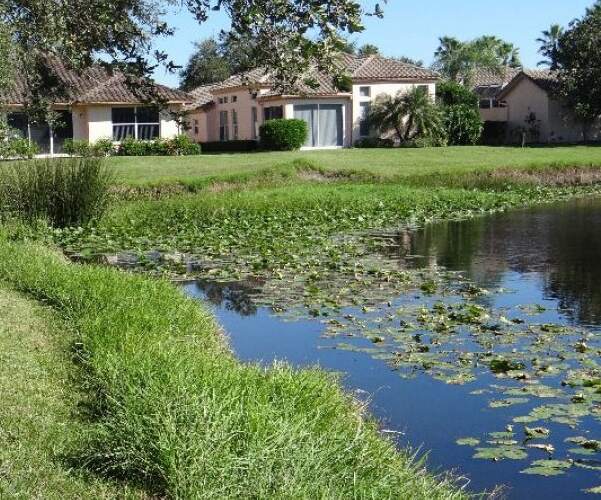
x: 38, y: 405
x: 381, y: 162
x: 177, y: 412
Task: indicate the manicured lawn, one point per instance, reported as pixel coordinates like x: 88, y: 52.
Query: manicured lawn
x: 383, y: 162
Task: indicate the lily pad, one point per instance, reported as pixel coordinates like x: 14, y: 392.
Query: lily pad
x: 468, y: 441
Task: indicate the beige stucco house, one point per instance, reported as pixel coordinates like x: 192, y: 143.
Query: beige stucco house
x: 93, y: 104
x: 523, y: 99
x: 235, y: 108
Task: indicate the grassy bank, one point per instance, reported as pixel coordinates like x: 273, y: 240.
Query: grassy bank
x: 38, y: 403
x: 175, y: 411
x: 382, y: 163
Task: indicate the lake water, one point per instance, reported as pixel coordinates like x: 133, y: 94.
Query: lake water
x: 543, y: 266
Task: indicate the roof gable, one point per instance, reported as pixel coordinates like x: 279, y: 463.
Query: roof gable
x: 544, y: 79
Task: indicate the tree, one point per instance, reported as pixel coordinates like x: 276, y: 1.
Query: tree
x: 461, y: 114
x: 411, y: 115
x: 408, y: 60
x: 368, y: 50
x: 289, y: 35
x: 458, y: 60
x: 549, y: 45
x: 449, y: 93
x: 578, y: 63
x: 206, y: 65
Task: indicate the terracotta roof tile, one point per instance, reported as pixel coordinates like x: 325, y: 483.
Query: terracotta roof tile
x: 91, y: 85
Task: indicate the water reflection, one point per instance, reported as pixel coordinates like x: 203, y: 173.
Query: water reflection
x: 237, y: 297
x: 560, y: 244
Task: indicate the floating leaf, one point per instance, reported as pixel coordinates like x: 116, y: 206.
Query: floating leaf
x: 468, y: 441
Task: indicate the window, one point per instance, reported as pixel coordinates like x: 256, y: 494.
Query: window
x: 235, y: 124
x: 226, y: 100
x: 221, y: 100
x: 485, y: 104
x: 254, y: 123
x: 273, y: 113
x: 141, y: 123
x: 424, y: 89
x: 365, y: 91
x: 235, y: 98
x: 196, y: 130
x: 224, y: 129
x: 363, y: 123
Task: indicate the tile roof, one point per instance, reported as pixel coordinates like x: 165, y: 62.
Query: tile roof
x: 544, y: 79
x: 489, y: 84
x: 372, y: 68
x: 91, y: 85
x: 201, y: 96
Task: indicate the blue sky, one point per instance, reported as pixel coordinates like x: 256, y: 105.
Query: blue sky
x: 412, y: 28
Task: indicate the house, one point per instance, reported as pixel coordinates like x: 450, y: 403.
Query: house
x: 93, y: 104
x: 235, y: 108
x: 523, y: 100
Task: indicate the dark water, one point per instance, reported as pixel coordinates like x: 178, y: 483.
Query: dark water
x: 549, y: 256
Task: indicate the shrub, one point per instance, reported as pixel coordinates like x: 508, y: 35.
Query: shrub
x: 374, y: 142
x: 133, y: 147
x: 283, y: 135
x: 494, y: 133
x: 452, y: 93
x: 66, y: 191
x: 229, y: 146
x: 182, y: 145
x: 22, y: 148
x: 103, y: 147
x: 75, y: 147
x: 463, y: 124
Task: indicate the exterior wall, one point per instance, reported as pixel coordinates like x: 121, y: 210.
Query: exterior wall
x: 169, y: 127
x: 100, y: 123
x: 244, y: 102
x: 563, y: 127
x: 494, y: 114
x: 80, y: 123
x: 526, y: 98
x: 376, y: 89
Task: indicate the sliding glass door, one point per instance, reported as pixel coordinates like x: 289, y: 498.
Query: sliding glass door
x: 325, y: 123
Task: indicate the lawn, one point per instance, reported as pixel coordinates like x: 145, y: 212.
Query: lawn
x: 380, y: 162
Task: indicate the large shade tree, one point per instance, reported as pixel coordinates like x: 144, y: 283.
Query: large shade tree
x: 289, y: 34
x: 458, y: 60
x: 577, y: 60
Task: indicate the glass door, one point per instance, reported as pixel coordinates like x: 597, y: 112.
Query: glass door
x: 325, y: 124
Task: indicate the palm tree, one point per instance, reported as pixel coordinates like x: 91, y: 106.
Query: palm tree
x: 549, y: 45
x: 411, y: 115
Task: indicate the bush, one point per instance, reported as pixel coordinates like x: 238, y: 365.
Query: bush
x: 229, y: 146
x: 104, y: 147
x: 494, y: 133
x: 454, y: 94
x: 283, y: 135
x: 75, y: 147
x: 374, y: 142
x: 181, y: 145
x: 22, y: 149
x: 66, y: 191
x: 463, y: 124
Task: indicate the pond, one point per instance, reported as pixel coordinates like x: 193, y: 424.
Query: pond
x: 497, y: 375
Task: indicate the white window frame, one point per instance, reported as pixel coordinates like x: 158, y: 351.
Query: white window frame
x: 362, y: 88
x: 136, y: 123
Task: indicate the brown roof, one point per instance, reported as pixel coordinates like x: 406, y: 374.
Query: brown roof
x: 488, y: 83
x: 201, y: 96
x: 369, y: 68
x: 92, y: 85
x: 544, y: 79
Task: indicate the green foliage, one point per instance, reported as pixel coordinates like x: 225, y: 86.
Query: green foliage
x: 374, y: 142
x: 206, y: 65
x: 13, y: 146
x: 66, y: 191
x: 368, y: 49
x: 283, y: 134
x: 77, y: 147
x: 104, y: 147
x: 180, y: 145
x: 458, y: 60
x: 344, y: 83
x: 413, y: 116
x: 578, y: 60
x: 173, y: 409
x: 549, y: 45
x: 463, y: 124
x: 450, y: 93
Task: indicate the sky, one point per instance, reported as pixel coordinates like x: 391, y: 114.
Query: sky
x: 411, y: 28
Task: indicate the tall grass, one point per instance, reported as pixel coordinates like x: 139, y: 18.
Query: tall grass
x: 176, y: 411
x: 66, y: 191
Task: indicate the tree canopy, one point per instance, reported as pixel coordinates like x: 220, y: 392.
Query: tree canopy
x: 458, y: 60
x: 288, y: 34
x: 577, y: 60
x: 549, y: 45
